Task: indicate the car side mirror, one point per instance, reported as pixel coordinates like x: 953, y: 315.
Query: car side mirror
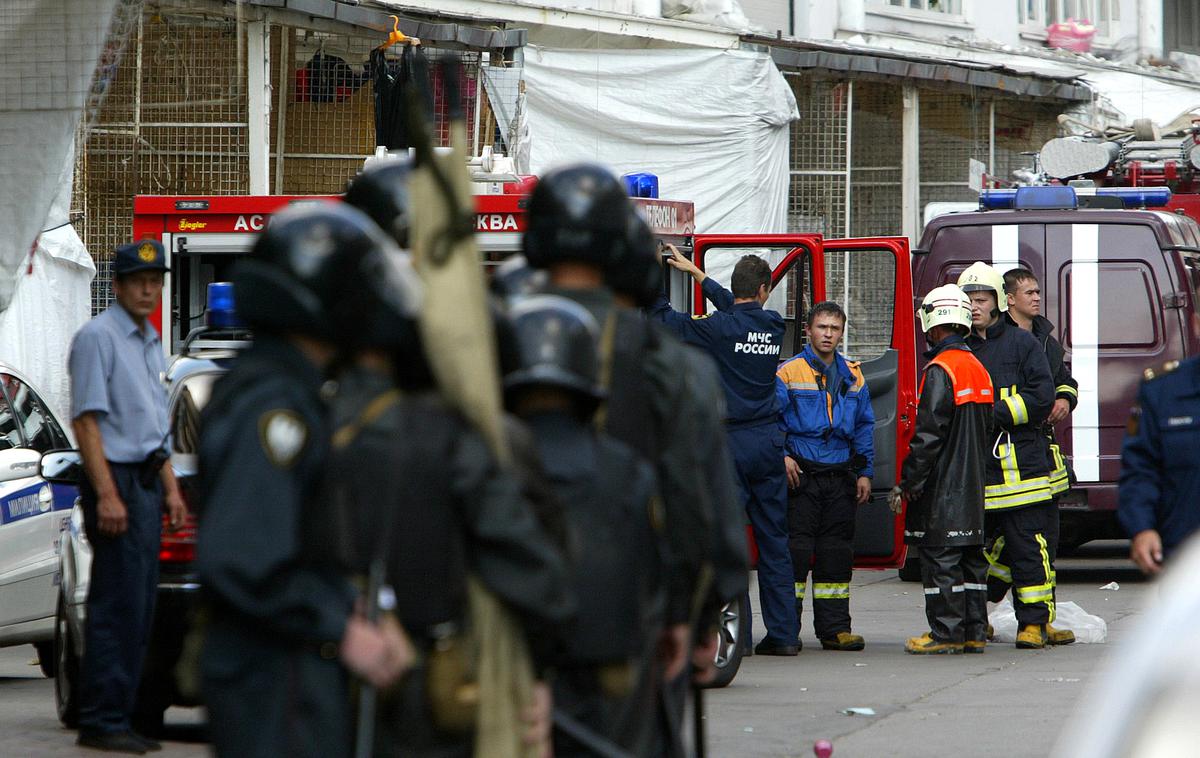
x: 18, y: 463
x: 62, y: 467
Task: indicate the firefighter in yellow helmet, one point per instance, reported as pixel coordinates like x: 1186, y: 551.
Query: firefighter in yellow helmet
x: 943, y: 479
x: 1018, y: 497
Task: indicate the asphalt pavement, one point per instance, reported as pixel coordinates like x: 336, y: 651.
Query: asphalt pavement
x: 1006, y: 702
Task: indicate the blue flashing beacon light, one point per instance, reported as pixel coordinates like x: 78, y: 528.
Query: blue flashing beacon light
x: 1055, y: 197
x: 641, y: 185
x: 221, y: 313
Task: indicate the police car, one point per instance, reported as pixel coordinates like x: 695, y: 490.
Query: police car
x: 204, y: 357
x: 31, y: 514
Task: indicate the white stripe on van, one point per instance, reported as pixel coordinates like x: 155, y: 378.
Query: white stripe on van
x: 1085, y: 350
x: 1005, y: 247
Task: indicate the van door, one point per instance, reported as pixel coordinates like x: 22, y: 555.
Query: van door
x: 870, y: 278
x: 879, y: 274
x: 1108, y: 287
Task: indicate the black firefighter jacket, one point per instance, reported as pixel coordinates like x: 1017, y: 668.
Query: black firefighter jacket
x: 1018, y: 472
x: 943, y: 475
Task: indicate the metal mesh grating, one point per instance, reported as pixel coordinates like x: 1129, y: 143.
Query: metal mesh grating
x: 876, y: 193
x: 954, y: 129
x: 175, y: 117
x: 1022, y: 126
x: 817, y: 201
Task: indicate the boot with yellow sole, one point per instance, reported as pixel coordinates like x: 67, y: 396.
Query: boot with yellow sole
x: 927, y: 645
x: 1031, y: 637
x: 1059, y: 636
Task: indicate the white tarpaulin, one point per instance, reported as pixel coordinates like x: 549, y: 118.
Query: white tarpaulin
x: 712, y: 124
x: 48, y: 52
x: 51, y: 300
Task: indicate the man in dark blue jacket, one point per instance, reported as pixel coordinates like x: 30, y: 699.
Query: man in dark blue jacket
x: 745, y: 340
x: 1159, y: 497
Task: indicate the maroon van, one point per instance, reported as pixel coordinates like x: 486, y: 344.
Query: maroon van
x: 1119, y: 286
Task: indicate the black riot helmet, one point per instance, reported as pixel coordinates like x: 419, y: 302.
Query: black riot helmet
x: 384, y: 312
x: 381, y: 191
x: 576, y: 213
x: 555, y: 347
x: 516, y: 278
x: 307, y: 269
x: 636, y: 270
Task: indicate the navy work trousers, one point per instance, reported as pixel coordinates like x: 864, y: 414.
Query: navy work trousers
x: 762, y: 487
x: 120, y: 604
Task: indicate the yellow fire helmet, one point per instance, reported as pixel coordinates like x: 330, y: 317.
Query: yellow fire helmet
x: 981, y: 276
x: 945, y: 305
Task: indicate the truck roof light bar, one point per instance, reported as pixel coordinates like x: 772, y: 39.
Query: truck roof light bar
x: 1054, y: 197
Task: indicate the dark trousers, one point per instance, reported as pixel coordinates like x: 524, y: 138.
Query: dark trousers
x: 821, y: 519
x: 955, y: 592
x: 762, y: 488
x: 269, y: 697
x: 1023, y: 545
x: 120, y: 603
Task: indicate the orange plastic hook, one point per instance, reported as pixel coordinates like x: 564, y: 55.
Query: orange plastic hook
x: 398, y: 36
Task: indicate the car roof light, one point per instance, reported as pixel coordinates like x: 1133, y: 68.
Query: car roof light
x: 1139, y: 197
x: 221, y: 312
x: 1050, y: 197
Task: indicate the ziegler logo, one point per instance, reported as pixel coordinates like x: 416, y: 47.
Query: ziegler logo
x: 191, y: 226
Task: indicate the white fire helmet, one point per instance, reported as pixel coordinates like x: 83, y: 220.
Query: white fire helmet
x: 945, y: 305
x: 981, y: 276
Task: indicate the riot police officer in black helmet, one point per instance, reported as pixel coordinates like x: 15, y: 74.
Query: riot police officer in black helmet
x: 381, y: 191
x: 698, y: 408
x: 282, y: 628
x: 578, y: 228
x: 606, y: 677
x: 413, y: 486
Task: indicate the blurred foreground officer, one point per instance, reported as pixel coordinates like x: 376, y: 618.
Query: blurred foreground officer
x: 1018, y: 497
x: 119, y: 412
x: 282, y: 629
x: 415, y: 489
x: 578, y: 228
x: 942, y: 480
x: 825, y: 409
x: 1159, y: 496
x: 607, y: 677
x: 744, y: 340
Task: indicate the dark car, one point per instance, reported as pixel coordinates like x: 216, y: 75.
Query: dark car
x: 205, y: 357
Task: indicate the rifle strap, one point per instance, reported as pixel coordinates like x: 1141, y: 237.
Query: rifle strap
x: 367, y: 416
x: 608, y: 338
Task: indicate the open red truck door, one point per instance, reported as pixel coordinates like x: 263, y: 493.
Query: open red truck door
x: 801, y: 276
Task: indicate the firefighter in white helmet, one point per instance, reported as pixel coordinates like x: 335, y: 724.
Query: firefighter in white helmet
x: 1018, y: 498
x: 943, y: 479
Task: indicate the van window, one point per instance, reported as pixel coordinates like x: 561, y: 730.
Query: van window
x: 863, y: 282
x: 1130, y: 316
x: 791, y: 297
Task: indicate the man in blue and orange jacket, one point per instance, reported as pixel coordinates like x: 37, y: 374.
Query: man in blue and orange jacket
x: 825, y: 411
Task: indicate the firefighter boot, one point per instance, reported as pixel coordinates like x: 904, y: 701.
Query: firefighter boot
x: 927, y: 645
x: 991, y: 635
x: 1059, y: 636
x: 843, y: 641
x: 1031, y: 637
x: 974, y: 646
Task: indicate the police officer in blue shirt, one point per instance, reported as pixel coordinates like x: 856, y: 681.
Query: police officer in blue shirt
x: 1159, y: 496
x: 745, y: 341
x: 119, y: 414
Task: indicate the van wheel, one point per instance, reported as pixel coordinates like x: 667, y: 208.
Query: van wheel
x: 66, y: 669
x: 731, y: 641
x: 911, y: 570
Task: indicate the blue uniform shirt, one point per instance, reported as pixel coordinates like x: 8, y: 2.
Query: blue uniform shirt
x: 1160, y: 474
x: 116, y: 372
x: 743, y: 339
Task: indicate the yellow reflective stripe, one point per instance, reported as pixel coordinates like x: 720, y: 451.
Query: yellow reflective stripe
x: 1051, y: 578
x: 831, y: 590
x: 1016, y: 406
x: 1017, y: 487
x: 1066, y: 389
x: 1038, y: 593
x: 995, y: 567
x: 1001, y: 572
x: 1060, y: 480
x: 1012, y: 501
x: 799, y: 590
x: 802, y: 385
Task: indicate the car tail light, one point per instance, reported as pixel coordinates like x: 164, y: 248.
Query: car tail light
x: 178, y: 545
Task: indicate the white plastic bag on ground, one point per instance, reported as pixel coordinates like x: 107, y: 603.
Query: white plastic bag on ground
x: 1087, y: 628
x: 1068, y: 615
x: 1004, y: 621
